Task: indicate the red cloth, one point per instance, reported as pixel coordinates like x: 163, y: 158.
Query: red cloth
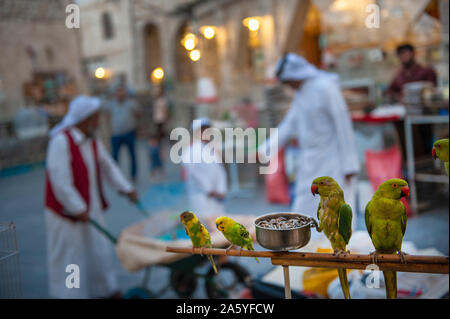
x: 249, y: 113
x: 414, y: 73
x: 80, y: 179
x: 97, y: 173
x: 277, y: 185
x: 384, y: 165
x: 375, y: 120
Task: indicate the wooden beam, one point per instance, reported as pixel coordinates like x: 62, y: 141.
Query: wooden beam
x: 432, y: 268
x: 421, y: 264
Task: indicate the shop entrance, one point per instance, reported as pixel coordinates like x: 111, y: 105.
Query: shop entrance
x: 152, y: 50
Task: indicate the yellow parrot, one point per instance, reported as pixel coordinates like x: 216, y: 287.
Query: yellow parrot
x: 198, y: 234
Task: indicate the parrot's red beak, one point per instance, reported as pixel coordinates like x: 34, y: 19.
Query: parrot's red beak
x: 314, y: 189
x: 433, y: 153
x: 405, y: 191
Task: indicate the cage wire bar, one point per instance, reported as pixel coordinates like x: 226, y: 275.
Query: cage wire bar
x: 10, y: 275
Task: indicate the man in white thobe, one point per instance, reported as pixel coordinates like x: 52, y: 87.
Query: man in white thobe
x: 321, y: 122
x: 206, y: 179
x: 80, y: 258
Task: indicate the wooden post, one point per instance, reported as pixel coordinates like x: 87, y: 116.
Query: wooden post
x: 287, y: 283
x: 296, y: 28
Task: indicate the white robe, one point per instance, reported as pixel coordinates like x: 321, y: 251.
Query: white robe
x: 201, y: 179
x: 80, y: 243
x: 320, y: 120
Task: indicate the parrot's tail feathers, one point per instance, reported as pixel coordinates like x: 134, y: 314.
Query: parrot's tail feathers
x: 344, y: 282
x: 390, y: 281
x: 213, y: 264
x: 250, y: 247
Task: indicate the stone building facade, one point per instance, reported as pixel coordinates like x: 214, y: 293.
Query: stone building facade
x: 34, y: 39
x: 148, y: 35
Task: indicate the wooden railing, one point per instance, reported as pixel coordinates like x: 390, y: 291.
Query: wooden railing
x: 413, y: 263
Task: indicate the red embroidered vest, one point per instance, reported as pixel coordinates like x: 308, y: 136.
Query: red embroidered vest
x: 80, y: 179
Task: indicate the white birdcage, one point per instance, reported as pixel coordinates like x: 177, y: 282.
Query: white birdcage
x: 10, y: 275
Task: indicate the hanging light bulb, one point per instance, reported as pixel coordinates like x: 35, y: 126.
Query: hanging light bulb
x: 189, y: 44
x: 158, y: 74
x: 189, y: 41
x: 100, y: 73
x: 208, y: 32
x: 195, y: 55
x: 340, y: 5
x: 253, y: 24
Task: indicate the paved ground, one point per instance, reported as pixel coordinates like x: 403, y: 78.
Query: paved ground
x: 21, y: 201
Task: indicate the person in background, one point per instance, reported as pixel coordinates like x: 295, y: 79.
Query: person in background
x: 160, y: 117
x: 156, y: 164
x: 320, y: 120
x: 77, y: 166
x: 206, y: 182
x: 291, y: 154
x: 410, y: 71
x: 247, y: 112
x: 160, y: 112
x: 123, y: 112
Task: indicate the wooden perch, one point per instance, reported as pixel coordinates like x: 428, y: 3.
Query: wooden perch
x: 421, y: 264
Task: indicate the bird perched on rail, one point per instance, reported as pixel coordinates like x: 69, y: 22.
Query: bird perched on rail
x: 198, y: 234
x: 386, y: 223
x: 440, y: 150
x: 235, y: 233
x: 335, y: 219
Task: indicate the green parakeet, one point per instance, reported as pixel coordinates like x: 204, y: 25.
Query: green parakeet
x: 386, y: 223
x: 198, y: 234
x: 235, y: 233
x: 335, y: 219
x: 440, y: 150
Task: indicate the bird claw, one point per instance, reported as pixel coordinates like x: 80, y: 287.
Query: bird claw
x: 201, y: 251
x: 339, y: 252
x: 315, y: 224
x: 228, y: 249
x: 402, y: 256
x: 374, y: 255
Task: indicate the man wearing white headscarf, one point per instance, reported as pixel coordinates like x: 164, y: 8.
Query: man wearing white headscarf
x: 321, y: 122
x: 206, y: 178
x: 79, y: 256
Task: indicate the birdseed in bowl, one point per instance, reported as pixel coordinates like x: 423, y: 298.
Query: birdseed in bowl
x: 284, y: 222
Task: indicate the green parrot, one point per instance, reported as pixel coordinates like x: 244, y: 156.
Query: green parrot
x: 440, y: 150
x: 386, y: 223
x: 198, y: 234
x: 335, y: 219
x: 235, y: 233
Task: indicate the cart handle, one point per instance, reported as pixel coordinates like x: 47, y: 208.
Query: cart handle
x: 139, y: 205
x: 141, y: 208
x: 101, y: 229
x: 110, y: 236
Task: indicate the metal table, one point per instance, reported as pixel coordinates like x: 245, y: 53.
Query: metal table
x: 411, y: 120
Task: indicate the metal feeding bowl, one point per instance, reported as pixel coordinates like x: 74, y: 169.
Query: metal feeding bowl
x: 283, y: 237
